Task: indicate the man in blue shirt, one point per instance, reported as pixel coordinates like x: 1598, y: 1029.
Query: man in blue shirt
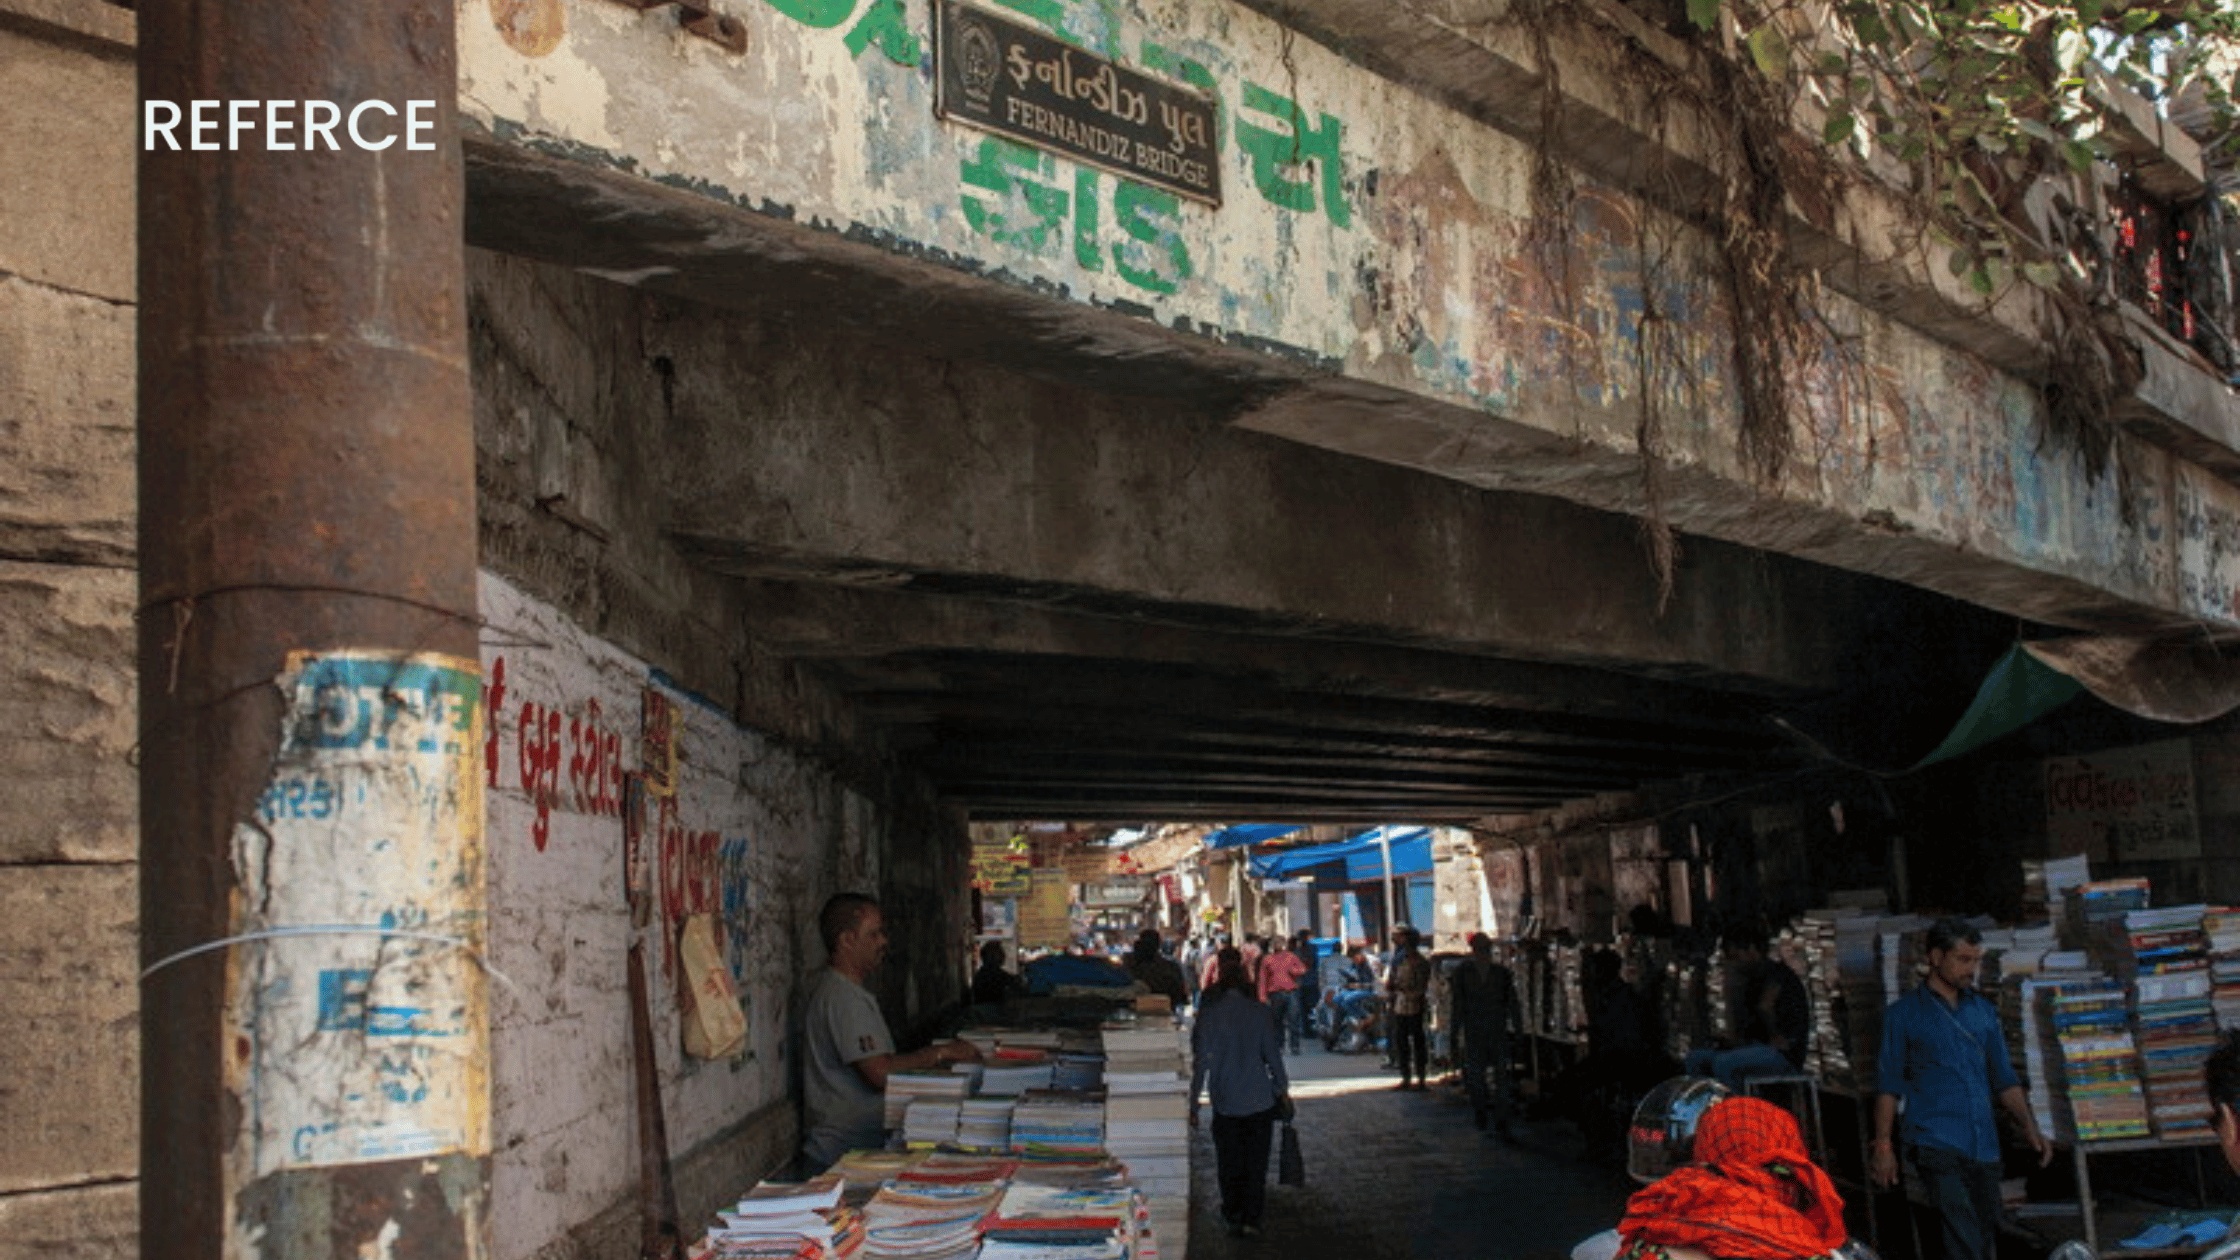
x: 2222, y: 1076
x: 1945, y: 1060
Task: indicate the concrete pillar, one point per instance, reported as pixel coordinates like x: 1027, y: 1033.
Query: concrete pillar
x: 314, y: 1016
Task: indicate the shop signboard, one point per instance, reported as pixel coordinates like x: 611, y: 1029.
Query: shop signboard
x: 1000, y: 866
x: 2124, y: 805
x: 1118, y: 892
x: 1088, y: 866
x: 1046, y: 912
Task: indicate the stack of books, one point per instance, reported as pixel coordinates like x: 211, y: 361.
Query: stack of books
x: 1147, y: 1122
x: 2093, y: 915
x: 1072, y: 1069
x: 2220, y: 931
x: 2047, y: 884
x: 941, y: 1087
x: 1062, y: 1222
x: 915, y: 1205
x: 1900, y: 950
x: 867, y: 1170
x: 1843, y: 978
x: 2038, y: 1048
x: 928, y: 1220
x: 2099, y: 1061
x: 1058, y: 1122
x: 931, y: 1122
x: 2173, y: 1017
x: 1011, y: 1072
x: 984, y: 1124
x: 781, y: 1221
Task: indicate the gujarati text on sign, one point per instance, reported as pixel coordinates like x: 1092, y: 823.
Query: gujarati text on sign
x: 1017, y: 82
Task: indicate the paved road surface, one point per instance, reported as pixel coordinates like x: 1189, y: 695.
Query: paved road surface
x: 1405, y: 1176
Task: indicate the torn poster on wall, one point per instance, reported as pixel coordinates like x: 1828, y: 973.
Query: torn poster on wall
x: 356, y: 999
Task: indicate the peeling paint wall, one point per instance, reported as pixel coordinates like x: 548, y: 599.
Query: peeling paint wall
x: 596, y: 631
x: 1366, y: 230
x: 733, y: 840
x: 753, y: 835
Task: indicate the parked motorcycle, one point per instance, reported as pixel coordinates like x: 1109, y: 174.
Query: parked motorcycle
x: 1349, y: 1021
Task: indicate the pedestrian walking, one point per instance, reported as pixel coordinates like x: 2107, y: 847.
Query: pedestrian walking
x: 1484, y: 994
x: 1237, y: 1062
x: 1280, y: 970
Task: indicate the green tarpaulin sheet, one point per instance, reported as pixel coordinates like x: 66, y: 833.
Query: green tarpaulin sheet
x: 2019, y: 690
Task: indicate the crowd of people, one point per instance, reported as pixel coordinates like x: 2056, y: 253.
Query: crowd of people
x: 1749, y: 1188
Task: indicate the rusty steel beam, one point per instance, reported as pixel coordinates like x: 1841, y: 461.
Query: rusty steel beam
x: 307, y: 517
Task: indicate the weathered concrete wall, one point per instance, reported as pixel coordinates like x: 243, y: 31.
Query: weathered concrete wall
x: 591, y: 616
x: 1376, y: 236
x: 742, y: 838
x: 68, y: 842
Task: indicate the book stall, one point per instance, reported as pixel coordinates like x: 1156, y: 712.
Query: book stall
x: 1061, y: 1144
x: 2110, y: 1006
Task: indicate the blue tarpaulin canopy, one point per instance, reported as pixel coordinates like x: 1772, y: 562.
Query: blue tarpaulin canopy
x: 1359, y: 857
x: 1411, y: 855
x: 1248, y: 833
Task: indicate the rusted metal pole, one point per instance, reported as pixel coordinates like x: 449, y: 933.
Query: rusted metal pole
x: 313, y: 1016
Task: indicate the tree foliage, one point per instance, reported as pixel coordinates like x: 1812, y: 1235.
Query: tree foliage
x: 1976, y: 100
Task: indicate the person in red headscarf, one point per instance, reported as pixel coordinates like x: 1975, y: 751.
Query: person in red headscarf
x: 1752, y: 1193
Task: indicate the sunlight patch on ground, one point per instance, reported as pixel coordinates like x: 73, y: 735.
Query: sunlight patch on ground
x: 1332, y: 1086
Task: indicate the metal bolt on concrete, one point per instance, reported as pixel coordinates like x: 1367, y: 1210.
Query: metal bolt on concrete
x: 1405, y: 1176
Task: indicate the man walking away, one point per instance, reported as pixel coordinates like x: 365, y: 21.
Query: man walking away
x: 1485, y: 1009
x: 1236, y: 1062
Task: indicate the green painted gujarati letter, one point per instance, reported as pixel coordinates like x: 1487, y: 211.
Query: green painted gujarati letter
x: 817, y: 13
x: 884, y: 24
x: 1008, y: 173
x: 1151, y: 218
x: 1300, y: 145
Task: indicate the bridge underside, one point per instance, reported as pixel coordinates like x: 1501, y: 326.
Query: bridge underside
x: 1031, y: 546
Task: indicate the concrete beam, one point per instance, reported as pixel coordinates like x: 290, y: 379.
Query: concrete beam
x: 793, y: 453
x: 1389, y: 269
x: 842, y: 624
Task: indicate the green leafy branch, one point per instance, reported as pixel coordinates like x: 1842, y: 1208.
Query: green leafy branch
x: 1979, y: 100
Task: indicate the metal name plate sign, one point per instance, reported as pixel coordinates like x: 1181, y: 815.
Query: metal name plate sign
x: 997, y: 75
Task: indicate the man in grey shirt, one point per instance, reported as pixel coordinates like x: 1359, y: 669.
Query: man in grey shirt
x: 848, y: 1052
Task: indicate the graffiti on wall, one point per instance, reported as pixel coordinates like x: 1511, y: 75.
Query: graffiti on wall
x: 649, y: 815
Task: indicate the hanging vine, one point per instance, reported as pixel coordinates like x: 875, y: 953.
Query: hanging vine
x: 1978, y: 102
